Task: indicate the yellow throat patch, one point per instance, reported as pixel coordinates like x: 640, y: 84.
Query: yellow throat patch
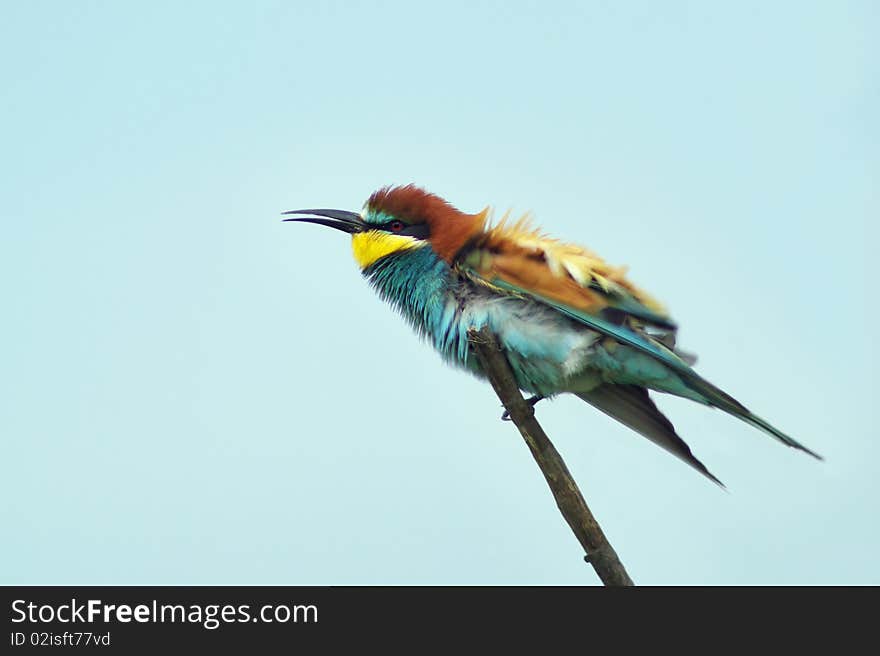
x: 371, y: 245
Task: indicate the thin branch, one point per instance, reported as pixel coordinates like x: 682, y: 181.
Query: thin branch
x: 600, y: 554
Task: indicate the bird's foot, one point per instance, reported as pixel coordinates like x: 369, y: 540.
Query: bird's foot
x: 531, y: 401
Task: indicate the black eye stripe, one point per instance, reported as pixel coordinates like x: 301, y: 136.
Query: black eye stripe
x: 419, y: 230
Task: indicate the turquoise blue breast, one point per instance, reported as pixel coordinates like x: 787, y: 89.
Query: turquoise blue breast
x: 442, y: 307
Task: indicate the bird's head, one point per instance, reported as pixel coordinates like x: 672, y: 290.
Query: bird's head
x: 398, y: 219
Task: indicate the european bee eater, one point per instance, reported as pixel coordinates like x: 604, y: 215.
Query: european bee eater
x: 568, y: 321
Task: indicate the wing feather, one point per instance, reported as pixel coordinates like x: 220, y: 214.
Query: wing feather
x: 519, y: 260
x: 568, y: 274
x: 632, y: 406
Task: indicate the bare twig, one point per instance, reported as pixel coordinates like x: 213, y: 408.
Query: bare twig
x: 600, y: 554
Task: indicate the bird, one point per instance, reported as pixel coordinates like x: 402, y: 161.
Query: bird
x: 567, y: 321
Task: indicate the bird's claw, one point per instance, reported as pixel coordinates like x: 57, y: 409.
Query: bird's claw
x: 505, y: 416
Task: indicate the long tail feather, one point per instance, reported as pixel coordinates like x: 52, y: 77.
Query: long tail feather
x: 722, y: 400
x: 631, y: 406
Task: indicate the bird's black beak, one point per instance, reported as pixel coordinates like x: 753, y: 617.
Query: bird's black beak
x: 350, y: 222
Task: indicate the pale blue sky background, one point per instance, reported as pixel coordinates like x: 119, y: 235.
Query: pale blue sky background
x: 194, y: 392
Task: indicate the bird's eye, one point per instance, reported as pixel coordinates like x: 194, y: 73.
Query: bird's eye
x: 396, y: 226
